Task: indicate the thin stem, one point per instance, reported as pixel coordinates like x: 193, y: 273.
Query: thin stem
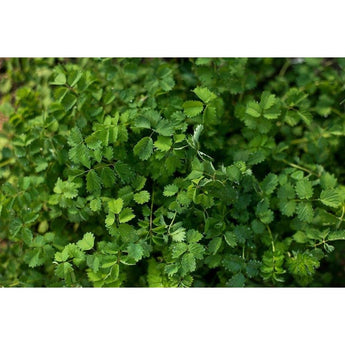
x: 272, y: 241
x: 299, y: 141
x: 284, y: 68
x: 300, y: 167
x: 319, y: 243
x: 341, y: 217
x: 8, y: 161
x: 98, y: 167
x: 118, y: 256
x: 171, y: 223
x: 151, y: 212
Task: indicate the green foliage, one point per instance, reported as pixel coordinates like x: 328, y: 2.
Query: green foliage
x: 171, y: 172
x: 204, y: 94
x: 170, y: 190
x: 331, y: 197
x: 192, y: 108
x: 143, y: 149
x: 142, y: 197
x: 302, y: 266
x: 115, y: 205
x: 87, y: 242
x: 304, y: 189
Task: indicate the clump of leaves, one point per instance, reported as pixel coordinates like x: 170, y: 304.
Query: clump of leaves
x: 170, y: 172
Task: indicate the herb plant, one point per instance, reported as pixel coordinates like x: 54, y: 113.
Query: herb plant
x: 172, y: 172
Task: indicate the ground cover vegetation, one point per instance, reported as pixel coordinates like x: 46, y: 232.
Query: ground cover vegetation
x: 172, y: 172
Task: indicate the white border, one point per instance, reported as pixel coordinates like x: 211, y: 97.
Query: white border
x: 179, y: 28
x: 172, y: 316
x: 246, y: 28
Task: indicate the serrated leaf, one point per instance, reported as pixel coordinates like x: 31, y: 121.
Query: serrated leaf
x: 126, y: 215
x: 300, y: 237
x: 297, y: 175
x: 74, y: 77
x: 198, y: 130
x: 127, y: 233
x: 171, y: 269
x: 253, y: 109
x: 305, y: 116
x: 67, y: 188
x: 63, y: 270
x: 126, y: 194
x: 252, y: 268
x: 178, y: 249
x: 303, y: 265
x: 230, y: 239
x: 286, y: 191
x: 61, y: 256
x: 95, y: 205
x: 93, y: 182
x: 163, y: 143
x: 165, y: 128
x: 304, y: 189
x: 328, y: 181
x: 115, y: 205
x: 178, y: 235
x: 331, y: 198
x: 232, y: 263
x: 210, y: 114
x: 40, y: 165
x: 204, y: 94
x: 108, y: 177
x: 233, y: 173
x: 265, y: 214
x: 135, y: 251
x: 237, y: 280
x: 214, y: 245
x: 305, y: 212
x: 267, y: 100
x: 272, y: 114
x: 287, y: 208
x: 144, y: 148
x: 87, y: 242
x: 80, y: 154
x: 93, y: 142
x: 75, y: 137
x: 36, y: 259
x: 269, y: 183
x: 193, y: 108
x: 197, y: 250
x: 142, y: 122
x: 194, y: 236
x: 142, y: 197
x: 188, y: 262
x: 60, y: 79
x: 336, y: 235
x: 110, y: 219
x: 170, y: 190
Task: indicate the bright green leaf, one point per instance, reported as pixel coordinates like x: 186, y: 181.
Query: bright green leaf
x: 193, y: 108
x: 87, y: 242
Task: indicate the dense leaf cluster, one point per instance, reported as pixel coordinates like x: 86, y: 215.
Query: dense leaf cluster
x: 171, y: 172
